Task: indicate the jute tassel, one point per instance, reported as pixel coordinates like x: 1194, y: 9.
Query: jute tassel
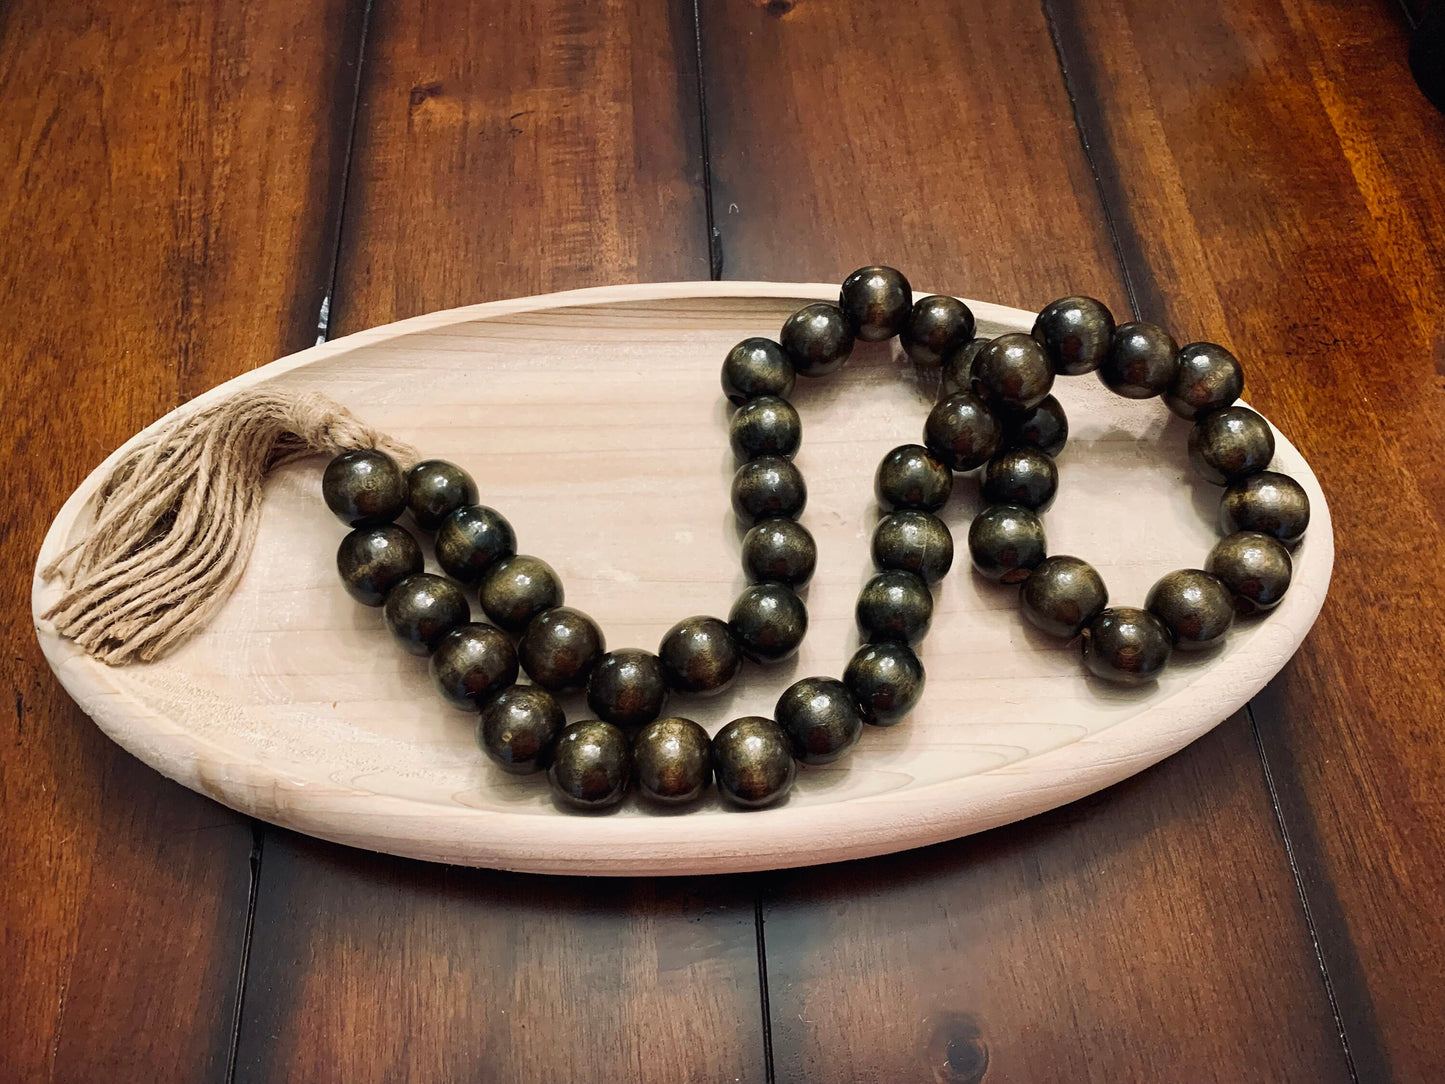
x: 176, y: 519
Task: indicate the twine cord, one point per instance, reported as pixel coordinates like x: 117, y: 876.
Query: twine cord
x: 175, y: 520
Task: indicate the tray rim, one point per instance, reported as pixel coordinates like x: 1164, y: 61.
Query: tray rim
x: 785, y: 837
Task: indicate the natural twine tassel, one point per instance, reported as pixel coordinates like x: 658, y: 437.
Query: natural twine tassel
x: 176, y: 519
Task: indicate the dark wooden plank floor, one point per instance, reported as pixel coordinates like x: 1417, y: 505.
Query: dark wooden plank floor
x: 185, y: 183
x: 169, y: 179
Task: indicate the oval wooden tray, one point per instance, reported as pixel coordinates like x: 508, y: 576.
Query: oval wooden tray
x: 594, y: 421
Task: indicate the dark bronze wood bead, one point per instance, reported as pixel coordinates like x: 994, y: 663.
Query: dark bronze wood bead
x: 672, y: 761
x: 779, y: 551
x: 1195, y: 605
x: 1076, y: 333
x: 1268, y: 502
x: 1255, y: 567
x: 962, y: 432
x: 627, y: 688
x: 1062, y: 595
x: 435, y: 489
x: 910, y: 476
x: 935, y: 325
x: 1209, y: 378
x: 1012, y: 373
x: 423, y: 608
x: 876, y: 302
x: 516, y: 589
x: 768, y: 487
x: 885, y: 681
x: 766, y: 425
x: 518, y: 728
x: 1230, y: 444
x: 914, y: 541
x: 559, y: 648
x: 364, y: 488
x: 1141, y: 362
x: 768, y: 621
x: 1006, y: 542
x: 700, y: 655
x: 373, y: 560
x: 894, y: 605
x: 472, y: 664
x: 591, y: 765
x: 1126, y: 645
x: 1023, y: 476
x: 755, y: 367
x: 956, y: 376
x: 754, y: 762
x: 471, y: 540
x: 1046, y: 428
x: 820, y: 718
x: 817, y: 339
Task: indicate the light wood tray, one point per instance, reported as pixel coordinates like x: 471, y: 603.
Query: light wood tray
x: 594, y: 421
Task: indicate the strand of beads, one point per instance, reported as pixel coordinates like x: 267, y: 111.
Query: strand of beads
x: 1263, y: 512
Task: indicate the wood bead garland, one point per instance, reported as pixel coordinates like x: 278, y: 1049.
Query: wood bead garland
x: 995, y: 413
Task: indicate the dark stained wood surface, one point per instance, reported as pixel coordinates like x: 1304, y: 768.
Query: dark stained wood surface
x: 167, y: 173
x: 1022, y: 941
x: 504, y: 150
x: 1262, y: 172
x: 1282, y: 180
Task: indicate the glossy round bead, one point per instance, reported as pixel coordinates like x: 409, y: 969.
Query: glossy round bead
x: 364, y: 488
x: 591, y: 765
x: 472, y: 664
x: 1062, y: 595
x: 1006, y: 542
x: 1255, y: 567
x: 423, y: 608
x: 894, y: 605
x: 768, y: 487
x: 754, y: 762
x: 559, y: 648
x: 435, y: 489
x: 1230, y: 444
x: 768, y: 621
x: 876, y: 303
x: 916, y: 542
x: 885, y: 681
x: 373, y: 560
x: 820, y: 718
x: 1127, y: 646
x: 1013, y: 373
x: 516, y: 589
x: 1209, y: 378
x: 1076, y: 333
x: 518, y: 728
x: 471, y: 540
x: 1141, y: 362
x: 672, y: 761
x: 755, y: 367
x: 779, y: 551
x: 766, y: 425
x: 1023, y: 476
x: 962, y: 432
x: 700, y: 655
x: 935, y: 325
x: 1268, y: 502
x: 910, y: 476
x: 1195, y: 605
x: 816, y: 339
x: 627, y: 687
x: 1045, y: 427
